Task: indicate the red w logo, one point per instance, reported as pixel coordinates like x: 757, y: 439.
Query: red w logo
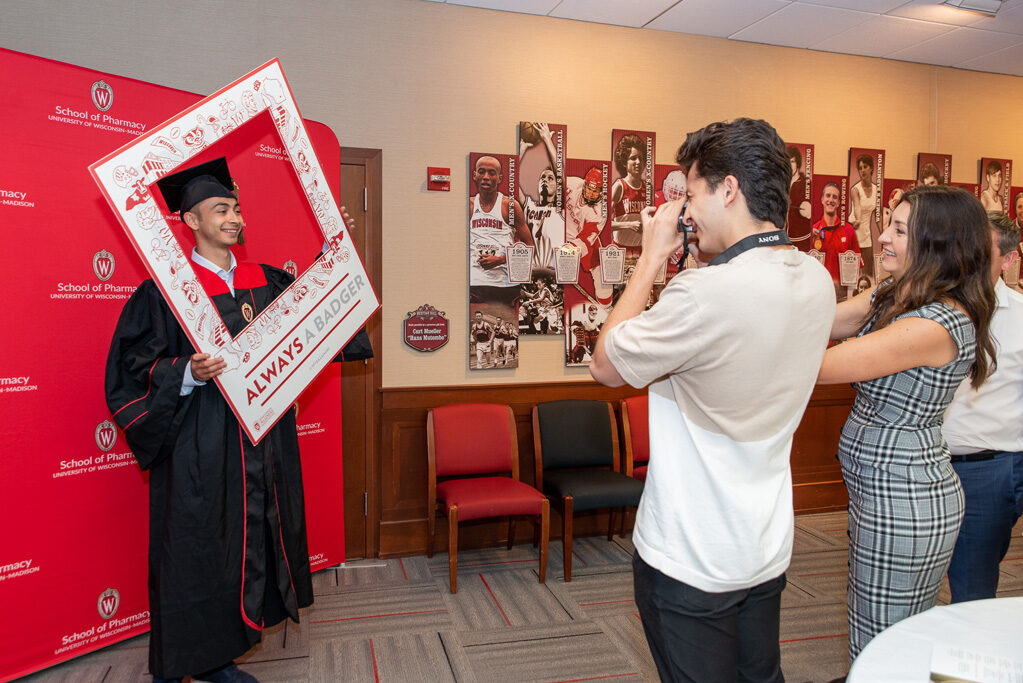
x: 109, y: 603
x: 102, y: 97
x: 107, y: 436
x: 104, y: 266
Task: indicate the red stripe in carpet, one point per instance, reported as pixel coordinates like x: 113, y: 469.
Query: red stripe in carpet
x: 403, y: 574
x: 377, y: 616
x: 495, y: 600
x: 480, y: 564
x: 597, y: 678
x: 799, y: 640
x: 373, y: 656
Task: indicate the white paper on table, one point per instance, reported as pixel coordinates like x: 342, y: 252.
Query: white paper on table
x: 956, y: 664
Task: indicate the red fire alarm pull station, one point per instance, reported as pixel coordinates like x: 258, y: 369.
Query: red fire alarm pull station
x: 438, y: 178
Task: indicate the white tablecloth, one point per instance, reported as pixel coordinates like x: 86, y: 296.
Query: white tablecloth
x: 902, y: 652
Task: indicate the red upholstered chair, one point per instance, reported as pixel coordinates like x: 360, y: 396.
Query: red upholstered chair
x: 465, y: 442
x: 636, y: 428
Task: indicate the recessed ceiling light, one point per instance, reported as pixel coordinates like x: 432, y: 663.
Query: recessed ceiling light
x: 985, y: 7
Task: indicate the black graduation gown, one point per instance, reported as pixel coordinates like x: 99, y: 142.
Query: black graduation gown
x: 227, y: 541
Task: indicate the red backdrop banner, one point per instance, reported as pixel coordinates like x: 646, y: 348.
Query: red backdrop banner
x: 75, y: 534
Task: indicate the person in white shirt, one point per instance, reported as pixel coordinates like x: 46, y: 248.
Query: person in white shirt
x: 730, y: 354
x: 863, y: 198
x: 984, y: 431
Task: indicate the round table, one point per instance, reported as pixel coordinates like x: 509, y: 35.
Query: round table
x: 902, y: 652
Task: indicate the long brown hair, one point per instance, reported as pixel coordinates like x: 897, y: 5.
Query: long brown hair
x: 949, y: 258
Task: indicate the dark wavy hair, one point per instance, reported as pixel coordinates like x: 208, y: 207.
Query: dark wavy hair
x: 752, y: 152
x: 929, y: 170
x: 948, y: 259
x: 624, y: 148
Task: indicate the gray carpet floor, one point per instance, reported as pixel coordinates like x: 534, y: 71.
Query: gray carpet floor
x: 395, y: 620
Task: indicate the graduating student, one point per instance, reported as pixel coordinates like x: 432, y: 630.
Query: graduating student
x: 227, y: 541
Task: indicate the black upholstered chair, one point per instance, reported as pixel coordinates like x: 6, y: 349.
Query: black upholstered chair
x: 576, y: 451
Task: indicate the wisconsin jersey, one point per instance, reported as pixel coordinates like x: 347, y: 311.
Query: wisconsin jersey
x: 489, y: 235
x: 548, y: 229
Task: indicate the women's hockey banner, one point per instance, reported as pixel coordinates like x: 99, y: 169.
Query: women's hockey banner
x: 73, y: 550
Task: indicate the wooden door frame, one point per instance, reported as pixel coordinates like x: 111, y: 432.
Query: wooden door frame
x: 372, y: 160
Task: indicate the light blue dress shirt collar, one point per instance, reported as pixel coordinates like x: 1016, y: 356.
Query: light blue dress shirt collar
x: 226, y: 275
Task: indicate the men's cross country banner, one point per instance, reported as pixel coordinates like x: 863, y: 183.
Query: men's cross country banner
x: 75, y: 533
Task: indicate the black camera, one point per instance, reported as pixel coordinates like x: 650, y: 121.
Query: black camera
x: 682, y: 227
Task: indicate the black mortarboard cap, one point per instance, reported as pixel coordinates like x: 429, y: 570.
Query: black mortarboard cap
x: 185, y: 189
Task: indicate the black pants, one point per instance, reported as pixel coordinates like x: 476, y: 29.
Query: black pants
x: 709, y: 637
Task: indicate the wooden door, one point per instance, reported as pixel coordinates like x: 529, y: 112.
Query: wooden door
x: 360, y: 380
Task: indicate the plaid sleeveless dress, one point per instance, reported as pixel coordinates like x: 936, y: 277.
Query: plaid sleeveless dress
x: 905, y: 501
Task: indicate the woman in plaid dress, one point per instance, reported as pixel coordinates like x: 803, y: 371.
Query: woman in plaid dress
x: 919, y: 334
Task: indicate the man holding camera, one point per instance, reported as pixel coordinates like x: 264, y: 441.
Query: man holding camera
x: 730, y: 353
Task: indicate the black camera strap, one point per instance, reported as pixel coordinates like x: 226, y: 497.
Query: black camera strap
x: 775, y: 238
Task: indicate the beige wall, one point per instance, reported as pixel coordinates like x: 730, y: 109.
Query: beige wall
x: 430, y: 82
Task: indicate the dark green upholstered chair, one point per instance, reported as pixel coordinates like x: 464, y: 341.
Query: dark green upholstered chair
x: 576, y: 451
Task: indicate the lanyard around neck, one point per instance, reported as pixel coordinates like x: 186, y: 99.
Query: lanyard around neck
x: 774, y: 238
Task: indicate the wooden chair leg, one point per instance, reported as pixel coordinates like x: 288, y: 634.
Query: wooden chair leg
x: 453, y: 547
x: 566, y: 535
x: 431, y: 523
x: 611, y: 524
x: 511, y: 532
x: 545, y: 535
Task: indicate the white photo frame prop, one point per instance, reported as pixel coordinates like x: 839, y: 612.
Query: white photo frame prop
x: 286, y: 346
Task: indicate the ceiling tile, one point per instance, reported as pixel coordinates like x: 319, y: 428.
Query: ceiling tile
x: 634, y: 13
x: 875, y: 6
x: 957, y: 46
x: 1008, y: 20
x: 801, y: 25
x: 719, y: 18
x: 934, y: 10
x: 1007, y: 61
x: 521, y: 6
x: 882, y: 36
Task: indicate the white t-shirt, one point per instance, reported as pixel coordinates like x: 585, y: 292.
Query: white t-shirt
x: 991, y: 417
x: 731, y: 353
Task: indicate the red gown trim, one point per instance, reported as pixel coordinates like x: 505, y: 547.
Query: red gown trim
x: 148, y: 389
x: 245, y: 528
